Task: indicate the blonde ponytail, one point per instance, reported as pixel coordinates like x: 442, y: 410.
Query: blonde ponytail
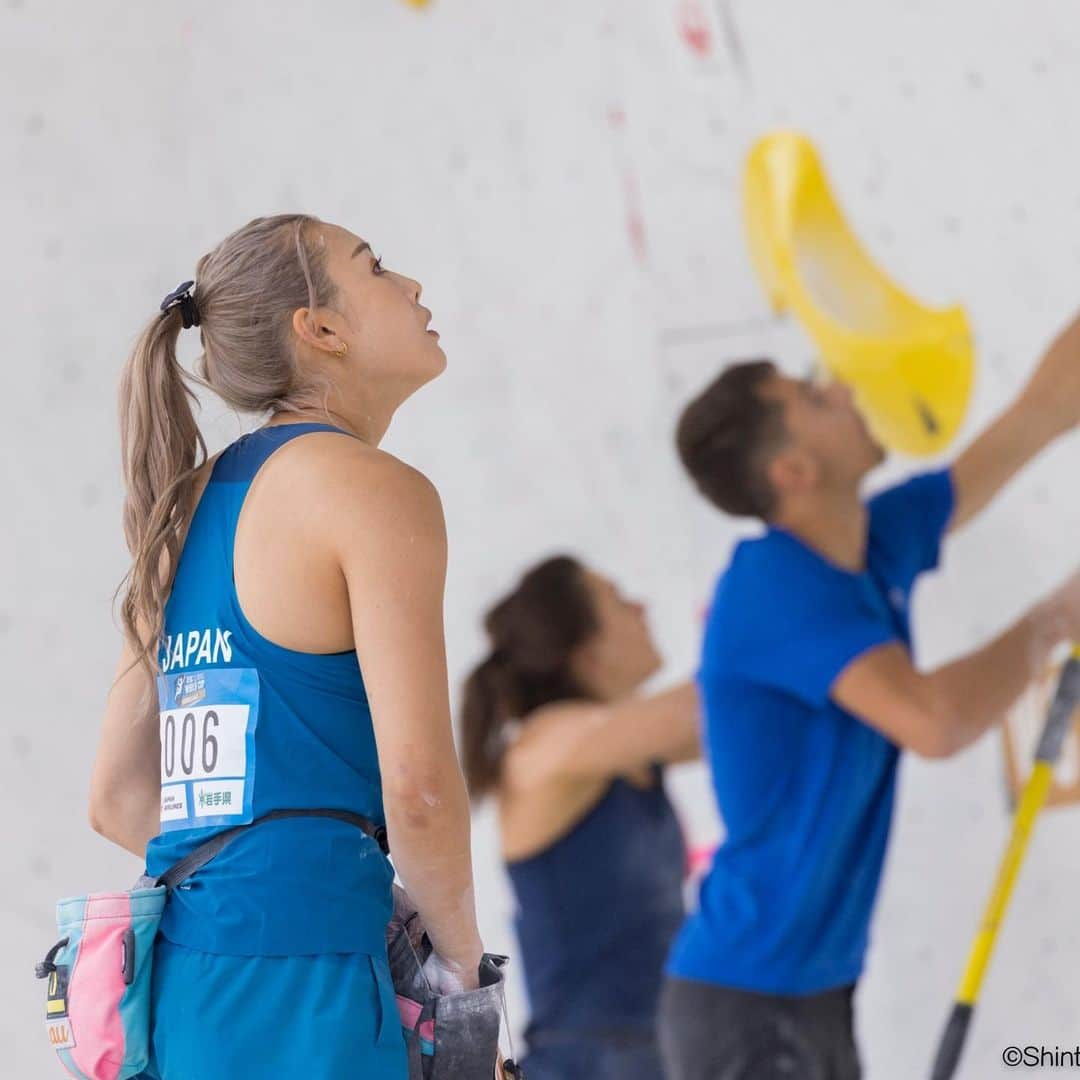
x: 161, y: 447
x: 246, y: 292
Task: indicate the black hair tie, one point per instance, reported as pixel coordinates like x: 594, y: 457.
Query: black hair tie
x: 181, y: 297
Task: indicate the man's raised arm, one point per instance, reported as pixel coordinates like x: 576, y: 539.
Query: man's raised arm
x: 1048, y: 408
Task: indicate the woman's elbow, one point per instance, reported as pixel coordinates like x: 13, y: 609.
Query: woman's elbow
x: 420, y: 799
x: 101, y: 816
x: 109, y: 817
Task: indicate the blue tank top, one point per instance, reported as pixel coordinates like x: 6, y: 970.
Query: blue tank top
x: 596, y: 913
x: 248, y: 726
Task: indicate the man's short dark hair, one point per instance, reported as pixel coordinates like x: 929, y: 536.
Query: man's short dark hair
x: 726, y: 435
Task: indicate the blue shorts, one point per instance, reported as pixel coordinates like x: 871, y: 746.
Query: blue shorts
x: 265, y: 1017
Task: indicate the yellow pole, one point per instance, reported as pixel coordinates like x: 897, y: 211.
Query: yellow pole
x: 1031, y: 802
x: 1036, y: 789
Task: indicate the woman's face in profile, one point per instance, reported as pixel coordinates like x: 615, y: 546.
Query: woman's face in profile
x: 387, y: 329
x: 623, y: 642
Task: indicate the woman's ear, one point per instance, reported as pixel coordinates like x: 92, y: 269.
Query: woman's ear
x: 318, y: 330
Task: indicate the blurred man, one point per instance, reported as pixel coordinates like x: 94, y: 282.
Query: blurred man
x: 811, y: 694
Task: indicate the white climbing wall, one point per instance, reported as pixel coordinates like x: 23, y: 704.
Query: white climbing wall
x: 563, y: 177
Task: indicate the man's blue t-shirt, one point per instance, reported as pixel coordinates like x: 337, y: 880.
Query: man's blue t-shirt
x: 805, y: 789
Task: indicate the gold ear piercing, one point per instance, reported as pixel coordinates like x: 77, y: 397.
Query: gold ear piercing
x: 341, y: 349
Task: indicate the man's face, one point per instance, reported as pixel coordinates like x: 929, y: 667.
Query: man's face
x: 824, y: 427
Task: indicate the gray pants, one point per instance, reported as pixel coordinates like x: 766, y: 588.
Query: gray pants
x: 714, y: 1033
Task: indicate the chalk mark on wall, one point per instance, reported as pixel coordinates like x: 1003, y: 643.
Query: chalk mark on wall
x: 674, y: 336
x: 733, y: 38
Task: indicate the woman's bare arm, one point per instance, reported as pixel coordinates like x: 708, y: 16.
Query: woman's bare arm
x: 125, y: 787
x: 584, y: 739
x: 391, y: 541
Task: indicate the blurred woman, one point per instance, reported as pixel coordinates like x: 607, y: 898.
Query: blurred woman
x: 286, y: 597
x: 555, y: 729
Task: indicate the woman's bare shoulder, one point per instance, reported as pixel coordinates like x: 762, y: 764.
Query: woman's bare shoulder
x: 329, y: 456
x: 345, y: 481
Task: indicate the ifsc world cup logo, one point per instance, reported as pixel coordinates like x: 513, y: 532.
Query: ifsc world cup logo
x: 189, y: 689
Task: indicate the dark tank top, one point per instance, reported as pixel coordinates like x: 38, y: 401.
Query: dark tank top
x: 596, y: 912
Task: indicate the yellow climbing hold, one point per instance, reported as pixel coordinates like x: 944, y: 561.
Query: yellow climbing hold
x: 911, y: 366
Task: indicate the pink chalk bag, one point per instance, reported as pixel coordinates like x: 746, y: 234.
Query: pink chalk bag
x: 97, y: 1003
x: 97, y: 1006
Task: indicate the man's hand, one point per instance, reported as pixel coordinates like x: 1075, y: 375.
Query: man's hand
x: 1052, y: 396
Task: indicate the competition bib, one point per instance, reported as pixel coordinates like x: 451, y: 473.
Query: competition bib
x: 207, y: 731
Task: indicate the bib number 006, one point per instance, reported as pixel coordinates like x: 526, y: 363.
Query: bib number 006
x: 200, y: 743
x: 207, y: 725
x: 190, y: 748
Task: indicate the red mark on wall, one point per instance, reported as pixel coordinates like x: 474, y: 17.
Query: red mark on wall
x: 694, y: 27
x: 635, y: 217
